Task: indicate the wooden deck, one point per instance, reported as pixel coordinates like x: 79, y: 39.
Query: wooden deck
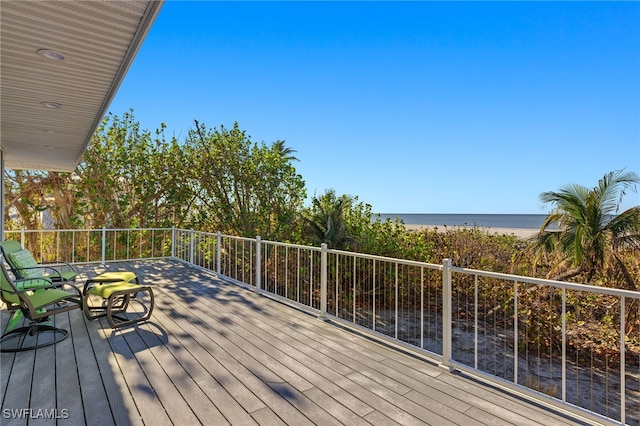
x: 217, y: 354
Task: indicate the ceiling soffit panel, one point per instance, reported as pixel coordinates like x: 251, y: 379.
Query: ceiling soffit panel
x: 98, y: 40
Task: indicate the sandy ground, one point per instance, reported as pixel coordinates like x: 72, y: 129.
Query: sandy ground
x: 518, y: 232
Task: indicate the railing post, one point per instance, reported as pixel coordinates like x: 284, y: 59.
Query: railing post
x: 173, y: 242
x: 446, y: 315
x: 623, y: 363
x: 22, y: 236
x: 104, y: 246
x: 218, y: 248
x: 191, y: 246
x: 258, y: 265
x: 323, y: 279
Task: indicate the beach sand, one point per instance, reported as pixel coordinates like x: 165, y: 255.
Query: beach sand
x: 518, y: 232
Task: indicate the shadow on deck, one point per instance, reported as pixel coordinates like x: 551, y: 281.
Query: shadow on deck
x: 215, y: 353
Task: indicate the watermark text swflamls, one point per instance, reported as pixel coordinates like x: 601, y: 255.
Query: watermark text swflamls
x: 30, y: 413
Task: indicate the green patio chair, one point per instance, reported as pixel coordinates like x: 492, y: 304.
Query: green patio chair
x: 23, y: 265
x: 36, y: 300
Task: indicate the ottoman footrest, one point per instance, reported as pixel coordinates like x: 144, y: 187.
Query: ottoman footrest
x: 115, y: 300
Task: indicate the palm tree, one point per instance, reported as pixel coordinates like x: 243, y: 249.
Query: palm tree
x: 326, y: 221
x: 591, y: 233
x: 284, y: 151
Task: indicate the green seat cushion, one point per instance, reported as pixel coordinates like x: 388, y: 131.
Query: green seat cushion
x: 23, y: 260
x: 106, y: 290
x: 40, y: 299
x: 116, y: 276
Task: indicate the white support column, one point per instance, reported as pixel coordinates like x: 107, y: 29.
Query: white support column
x: 323, y: 279
x: 623, y: 378
x: 446, y: 315
x: 173, y: 242
x: 258, y: 264
x: 104, y: 245
x: 191, y: 246
x: 218, y: 256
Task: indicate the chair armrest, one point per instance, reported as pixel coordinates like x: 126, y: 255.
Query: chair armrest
x: 57, y: 263
x: 43, y: 267
x: 30, y: 284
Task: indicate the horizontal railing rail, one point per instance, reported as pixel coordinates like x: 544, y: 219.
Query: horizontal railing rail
x: 570, y: 345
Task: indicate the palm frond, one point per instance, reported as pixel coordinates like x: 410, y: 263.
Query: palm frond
x: 590, y: 233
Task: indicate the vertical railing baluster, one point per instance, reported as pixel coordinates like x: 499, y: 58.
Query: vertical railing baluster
x: 354, y: 289
x: 422, y: 307
x: 622, y: 362
x: 265, y: 265
x: 258, y: 265
x: 57, y: 255
x: 298, y: 275
x: 374, y: 295
x: 173, y: 241
x: 275, y: 269
x: 235, y: 256
x: 446, y: 314
x: 335, y: 283
x: 311, y: 275
x: 191, y: 243
x: 397, y: 293
x: 515, y: 332
x: 218, y: 260
x: 564, y: 345
x: 323, y: 279
x: 475, y: 322
x: 104, y: 246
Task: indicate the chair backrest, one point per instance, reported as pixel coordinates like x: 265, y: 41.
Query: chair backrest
x: 10, y: 246
x: 7, y: 288
x: 20, y: 260
x: 13, y: 292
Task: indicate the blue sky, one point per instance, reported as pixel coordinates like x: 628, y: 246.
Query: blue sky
x: 417, y: 107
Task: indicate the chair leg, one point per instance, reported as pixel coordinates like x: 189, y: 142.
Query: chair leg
x: 34, y: 332
x: 88, y: 309
x: 118, y: 317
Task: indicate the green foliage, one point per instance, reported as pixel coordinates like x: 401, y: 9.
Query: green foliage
x: 128, y: 178
x: 591, y: 234
x: 32, y: 192
x: 243, y: 188
x: 326, y: 221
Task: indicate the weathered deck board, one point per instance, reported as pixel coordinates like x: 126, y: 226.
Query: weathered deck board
x: 217, y: 354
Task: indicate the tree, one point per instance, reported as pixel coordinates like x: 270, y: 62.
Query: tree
x: 129, y: 179
x: 592, y: 235
x: 326, y: 220
x: 242, y: 187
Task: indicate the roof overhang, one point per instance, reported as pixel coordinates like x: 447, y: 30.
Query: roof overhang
x: 49, y: 107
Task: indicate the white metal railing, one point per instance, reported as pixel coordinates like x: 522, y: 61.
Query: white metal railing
x: 564, y: 344
x: 94, y: 245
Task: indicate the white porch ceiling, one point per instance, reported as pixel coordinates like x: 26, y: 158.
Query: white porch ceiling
x: 98, y: 39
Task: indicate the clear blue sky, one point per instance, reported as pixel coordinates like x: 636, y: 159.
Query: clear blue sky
x: 417, y: 107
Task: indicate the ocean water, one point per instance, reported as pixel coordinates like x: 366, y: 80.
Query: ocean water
x: 524, y: 221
